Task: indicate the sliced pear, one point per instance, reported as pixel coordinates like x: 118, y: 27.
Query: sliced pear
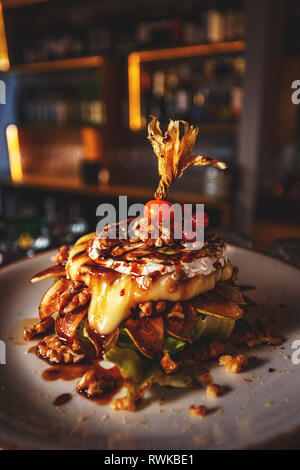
x: 147, y: 334
x: 215, y: 328
x: 182, y: 328
x: 101, y: 343
x: 230, y: 292
x: 216, y: 305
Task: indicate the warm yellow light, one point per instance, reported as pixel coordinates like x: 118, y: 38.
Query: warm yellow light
x: 13, y: 145
x: 63, y: 64
x: 134, y: 90
x: 91, y: 140
x: 190, y: 51
x: 4, y: 60
x: 136, y: 58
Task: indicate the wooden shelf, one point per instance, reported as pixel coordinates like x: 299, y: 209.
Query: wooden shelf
x: 224, y: 47
x: 58, y: 127
x: 75, y: 185
x: 20, y: 3
x: 58, y: 65
x: 134, y: 193
x: 135, y: 59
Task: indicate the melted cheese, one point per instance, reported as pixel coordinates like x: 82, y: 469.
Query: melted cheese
x: 114, y: 295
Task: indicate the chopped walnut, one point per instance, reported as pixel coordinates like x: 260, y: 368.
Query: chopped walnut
x: 125, y: 403
x: 234, y: 365
x: 76, y: 296
x: 104, y: 241
x: 214, y: 390
x: 144, y: 282
x: 63, y: 254
x: 177, y: 311
x: 199, y: 411
x: 145, y: 309
x: 38, y: 328
x: 53, y: 349
x: 216, y: 349
x: 149, y: 307
x: 94, y: 385
x: 153, y: 235
x: 169, y: 366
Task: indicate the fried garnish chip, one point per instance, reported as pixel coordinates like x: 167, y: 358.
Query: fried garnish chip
x: 50, y: 302
x: 147, y: 334
x: 55, y: 271
x: 213, y: 304
x: 66, y: 326
x: 38, y: 329
x: 180, y: 323
x: 101, y: 343
x: 174, y: 153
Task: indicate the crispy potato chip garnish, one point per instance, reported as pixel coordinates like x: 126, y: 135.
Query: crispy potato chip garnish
x: 67, y: 325
x: 101, y: 343
x: 55, y: 271
x: 174, y: 153
x: 181, y: 326
x: 147, y: 334
x: 216, y: 305
x: 50, y: 302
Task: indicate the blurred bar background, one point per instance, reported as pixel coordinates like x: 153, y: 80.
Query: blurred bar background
x: 80, y: 80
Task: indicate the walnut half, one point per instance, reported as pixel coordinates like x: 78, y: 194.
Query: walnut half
x: 38, y: 328
x: 233, y: 365
x: 53, y: 349
x: 93, y: 385
x: 169, y: 366
x: 199, y: 411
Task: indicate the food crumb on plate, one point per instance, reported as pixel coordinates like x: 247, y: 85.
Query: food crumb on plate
x: 199, y: 411
x: 214, y: 390
x: 233, y: 365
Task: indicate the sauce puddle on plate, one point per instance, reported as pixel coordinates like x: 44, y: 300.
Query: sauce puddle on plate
x: 62, y: 399
x: 76, y: 371
x: 68, y: 372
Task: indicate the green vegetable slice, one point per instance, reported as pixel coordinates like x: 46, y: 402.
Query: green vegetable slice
x: 213, y: 327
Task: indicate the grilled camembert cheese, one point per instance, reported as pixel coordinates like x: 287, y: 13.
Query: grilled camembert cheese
x: 119, y: 283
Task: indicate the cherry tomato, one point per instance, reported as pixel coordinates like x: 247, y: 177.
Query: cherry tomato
x: 188, y: 236
x: 205, y: 220
x: 158, y: 210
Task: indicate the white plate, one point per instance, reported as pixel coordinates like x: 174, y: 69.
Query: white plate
x: 260, y: 413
